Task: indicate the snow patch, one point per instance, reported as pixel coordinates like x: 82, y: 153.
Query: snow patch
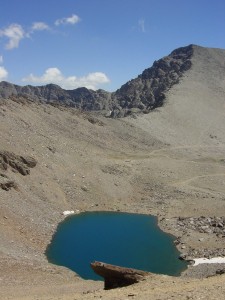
x: 68, y: 212
x: 214, y: 260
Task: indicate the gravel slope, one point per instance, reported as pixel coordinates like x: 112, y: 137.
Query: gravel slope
x: 169, y: 163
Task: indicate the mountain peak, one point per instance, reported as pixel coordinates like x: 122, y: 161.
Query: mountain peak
x: 142, y: 94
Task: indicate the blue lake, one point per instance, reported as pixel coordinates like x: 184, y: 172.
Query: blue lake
x: 128, y: 240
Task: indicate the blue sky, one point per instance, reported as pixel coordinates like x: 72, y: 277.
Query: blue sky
x: 99, y: 43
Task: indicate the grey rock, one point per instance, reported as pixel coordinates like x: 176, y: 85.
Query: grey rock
x: 220, y: 271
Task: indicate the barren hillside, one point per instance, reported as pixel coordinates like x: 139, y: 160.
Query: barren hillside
x: 169, y: 162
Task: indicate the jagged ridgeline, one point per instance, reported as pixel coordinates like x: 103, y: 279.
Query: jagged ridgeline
x: 141, y: 94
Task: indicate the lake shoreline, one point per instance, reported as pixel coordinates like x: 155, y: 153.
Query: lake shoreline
x: 200, y: 271
x: 41, y: 265
x: 140, y: 234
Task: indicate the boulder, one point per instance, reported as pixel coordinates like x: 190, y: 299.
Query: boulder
x: 116, y: 276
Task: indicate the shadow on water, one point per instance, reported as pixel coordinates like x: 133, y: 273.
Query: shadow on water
x: 123, y: 239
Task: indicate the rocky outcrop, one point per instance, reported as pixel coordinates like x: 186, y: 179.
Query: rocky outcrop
x: 211, y: 225
x: 21, y: 164
x: 5, y: 183
x: 147, y: 91
x: 142, y: 94
x: 116, y: 276
x: 204, y: 225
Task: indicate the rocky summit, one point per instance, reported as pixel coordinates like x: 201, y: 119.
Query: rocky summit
x: 141, y: 94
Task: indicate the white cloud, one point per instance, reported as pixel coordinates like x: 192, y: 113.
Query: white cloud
x: 3, y: 73
x: 70, y: 20
x: 1, y: 59
x: 39, y: 26
x: 141, y: 24
x: 14, y: 33
x: 54, y: 75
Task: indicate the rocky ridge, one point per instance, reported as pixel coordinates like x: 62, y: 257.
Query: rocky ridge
x: 147, y: 91
x: 141, y: 94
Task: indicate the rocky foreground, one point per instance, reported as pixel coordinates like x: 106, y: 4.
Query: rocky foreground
x: 169, y: 163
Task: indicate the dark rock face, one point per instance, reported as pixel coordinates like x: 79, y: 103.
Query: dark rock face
x: 141, y: 94
x: 116, y: 276
x: 80, y: 98
x: 5, y: 183
x: 146, y: 92
x: 21, y: 164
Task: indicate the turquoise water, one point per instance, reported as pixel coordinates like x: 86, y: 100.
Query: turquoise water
x: 128, y: 240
